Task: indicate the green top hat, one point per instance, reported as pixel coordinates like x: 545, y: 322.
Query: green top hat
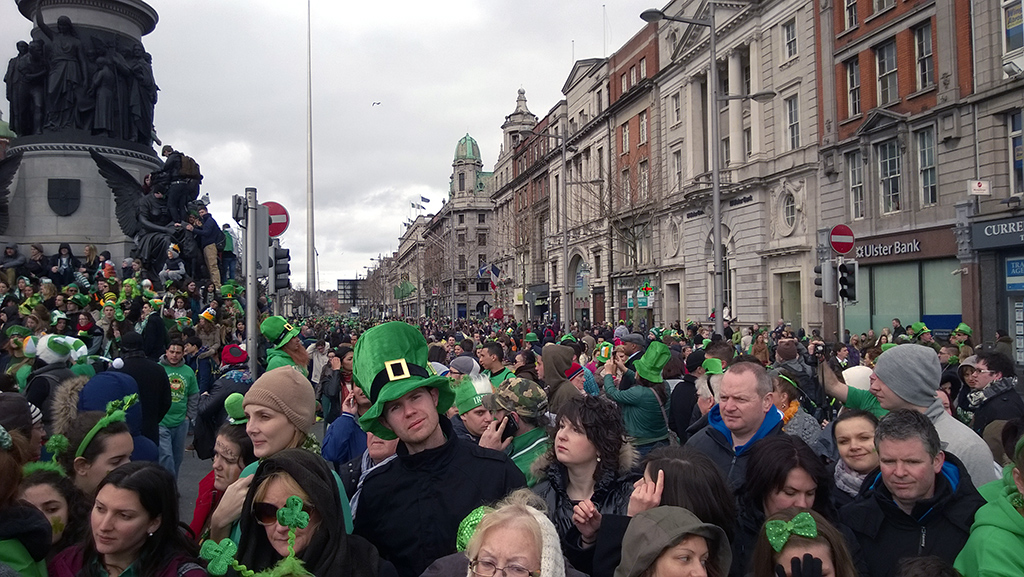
x: 655, y: 358
x: 963, y: 328
x: 81, y: 300
x: 391, y: 361
x: 278, y: 331
x: 919, y: 327
x: 227, y: 291
x: 531, y: 338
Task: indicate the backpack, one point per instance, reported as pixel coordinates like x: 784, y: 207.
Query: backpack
x: 189, y: 167
x: 221, y: 241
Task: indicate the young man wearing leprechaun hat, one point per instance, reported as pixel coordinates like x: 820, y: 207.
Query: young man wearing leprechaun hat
x: 410, y: 508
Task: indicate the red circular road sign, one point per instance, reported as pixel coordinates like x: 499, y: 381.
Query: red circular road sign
x: 841, y: 238
x: 278, y: 218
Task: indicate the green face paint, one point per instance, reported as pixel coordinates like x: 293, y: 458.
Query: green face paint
x: 57, y: 524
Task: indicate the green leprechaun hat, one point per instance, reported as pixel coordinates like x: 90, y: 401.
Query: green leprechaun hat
x: 650, y: 365
x: 391, y: 361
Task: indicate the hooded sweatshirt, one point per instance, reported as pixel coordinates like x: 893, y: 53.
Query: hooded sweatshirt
x: 557, y: 359
x: 715, y: 441
x: 11, y: 261
x: 996, y: 544
x: 24, y: 540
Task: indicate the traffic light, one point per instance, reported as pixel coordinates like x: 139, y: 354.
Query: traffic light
x: 848, y: 280
x: 282, y: 270
x: 825, y: 278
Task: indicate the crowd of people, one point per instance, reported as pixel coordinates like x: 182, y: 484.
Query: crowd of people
x: 485, y: 447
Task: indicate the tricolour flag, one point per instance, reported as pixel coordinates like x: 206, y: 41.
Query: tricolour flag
x: 495, y: 276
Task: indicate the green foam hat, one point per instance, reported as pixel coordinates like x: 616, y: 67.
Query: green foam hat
x: 81, y: 300
x: 469, y: 393
x: 227, y: 291
x: 391, y: 361
x: 567, y: 339
x: 963, y: 328
x: 531, y: 338
x: 118, y: 315
x: 56, y: 316
x: 713, y: 366
x: 888, y: 346
x: 604, y: 352
x: 654, y: 359
x: 919, y: 327
x: 278, y: 331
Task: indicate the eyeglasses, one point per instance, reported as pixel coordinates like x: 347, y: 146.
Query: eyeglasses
x: 488, y: 569
x: 266, y: 513
x: 986, y: 371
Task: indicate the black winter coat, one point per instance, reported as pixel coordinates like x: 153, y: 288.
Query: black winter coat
x: 154, y: 391
x: 684, y: 399
x: 1003, y: 407
x: 410, y: 508
x: 611, y: 492
x: 938, y: 526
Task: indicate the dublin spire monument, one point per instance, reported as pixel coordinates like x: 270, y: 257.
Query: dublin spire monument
x: 81, y: 84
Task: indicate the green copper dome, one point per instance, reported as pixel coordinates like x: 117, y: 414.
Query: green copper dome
x: 467, y: 149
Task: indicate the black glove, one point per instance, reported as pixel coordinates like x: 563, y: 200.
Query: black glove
x: 811, y: 567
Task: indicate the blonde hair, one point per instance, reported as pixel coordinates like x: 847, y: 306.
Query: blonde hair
x: 516, y: 510
x: 290, y: 484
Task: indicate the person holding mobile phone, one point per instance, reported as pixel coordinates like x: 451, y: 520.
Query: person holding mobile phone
x: 520, y: 421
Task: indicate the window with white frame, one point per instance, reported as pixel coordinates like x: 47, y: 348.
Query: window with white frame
x: 925, y: 60
x: 789, y: 38
x: 643, y: 127
x: 677, y: 167
x: 632, y: 75
x: 748, y: 143
x: 676, y: 105
x: 889, y: 170
x: 625, y: 86
x: 625, y: 138
x: 855, y: 183
x: 851, y: 14
x: 746, y: 79
x: 927, y: 172
x: 881, y: 5
x: 726, y: 156
x: 793, y: 121
x: 1016, y: 153
x: 644, y: 184
x: 888, y: 88
x: 1013, y: 26
x: 600, y: 102
x: 643, y: 68
x: 624, y: 185
x: 853, y: 87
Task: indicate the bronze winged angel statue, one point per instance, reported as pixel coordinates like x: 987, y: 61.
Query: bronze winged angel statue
x: 142, y: 214
x: 8, y: 166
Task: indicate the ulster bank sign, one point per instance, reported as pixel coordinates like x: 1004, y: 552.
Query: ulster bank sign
x: 888, y: 249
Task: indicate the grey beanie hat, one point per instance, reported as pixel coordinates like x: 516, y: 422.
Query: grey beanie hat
x: 465, y: 365
x: 912, y: 372
x: 652, y: 531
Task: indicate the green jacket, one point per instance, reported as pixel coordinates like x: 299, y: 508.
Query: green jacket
x: 526, y: 448
x: 864, y: 400
x: 278, y: 358
x: 641, y: 412
x: 996, y: 545
x: 499, y: 378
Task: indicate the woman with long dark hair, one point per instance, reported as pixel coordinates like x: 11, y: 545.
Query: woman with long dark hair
x: 323, y: 546
x: 57, y: 497
x: 133, y: 529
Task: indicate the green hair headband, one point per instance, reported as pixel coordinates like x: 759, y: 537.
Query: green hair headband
x: 55, y: 446
x: 468, y: 527
x: 779, y: 531
x: 221, y: 556
x: 115, y: 414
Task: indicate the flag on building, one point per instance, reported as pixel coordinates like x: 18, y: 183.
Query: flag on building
x: 424, y: 199
x: 495, y: 276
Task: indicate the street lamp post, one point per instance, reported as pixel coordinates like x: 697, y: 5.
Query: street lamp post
x: 654, y: 15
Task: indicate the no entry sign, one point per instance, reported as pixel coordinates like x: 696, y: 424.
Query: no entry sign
x: 278, y: 218
x: 841, y: 238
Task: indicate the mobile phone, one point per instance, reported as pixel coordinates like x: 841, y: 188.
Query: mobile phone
x: 511, y: 428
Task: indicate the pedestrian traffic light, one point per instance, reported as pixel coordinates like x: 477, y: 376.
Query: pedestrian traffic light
x: 848, y: 280
x: 282, y: 270
x: 825, y: 278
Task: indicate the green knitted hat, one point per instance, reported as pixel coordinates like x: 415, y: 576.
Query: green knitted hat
x: 655, y: 358
x: 391, y: 361
x: 469, y: 393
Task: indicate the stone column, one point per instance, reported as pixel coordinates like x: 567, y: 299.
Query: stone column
x: 735, y: 108
x: 694, y: 129
x: 756, y: 109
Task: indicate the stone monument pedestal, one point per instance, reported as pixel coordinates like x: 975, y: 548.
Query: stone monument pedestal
x: 58, y: 194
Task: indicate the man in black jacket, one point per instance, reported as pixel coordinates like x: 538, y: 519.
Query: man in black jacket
x: 920, y: 502
x: 154, y: 387
x: 411, y: 507
x: 993, y: 395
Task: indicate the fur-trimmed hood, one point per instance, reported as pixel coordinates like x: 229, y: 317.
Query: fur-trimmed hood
x: 628, y: 458
x: 65, y: 404
x: 84, y: 394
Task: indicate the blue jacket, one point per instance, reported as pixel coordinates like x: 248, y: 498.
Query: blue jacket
x: 715, y: 441
x: 343, y: 441
x: 207, y: 235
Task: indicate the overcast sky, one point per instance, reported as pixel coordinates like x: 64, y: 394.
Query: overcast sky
x: 232, y: 77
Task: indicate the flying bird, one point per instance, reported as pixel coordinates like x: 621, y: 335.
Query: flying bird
x: 375, y: 104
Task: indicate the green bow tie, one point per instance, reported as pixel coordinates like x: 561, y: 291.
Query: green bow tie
x: 778, y: 531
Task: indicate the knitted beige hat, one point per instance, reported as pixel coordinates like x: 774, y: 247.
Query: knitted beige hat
x: 285, y: 390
